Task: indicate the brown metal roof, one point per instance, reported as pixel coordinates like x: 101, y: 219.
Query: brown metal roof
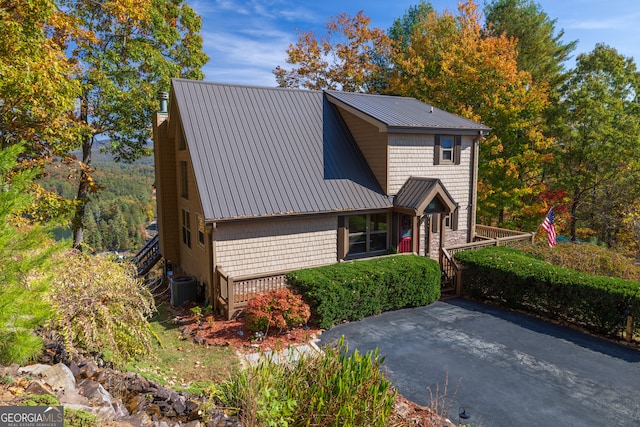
x: 418, y: 192
x: 260, y: 152
x: 399, y: 113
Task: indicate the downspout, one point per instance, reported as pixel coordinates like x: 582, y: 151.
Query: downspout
x: 213, y: 286
x: 473, y: 190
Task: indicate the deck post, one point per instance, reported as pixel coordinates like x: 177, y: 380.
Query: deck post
x: 231, y: 298
x: 628, y: 336
x: 458, y: 281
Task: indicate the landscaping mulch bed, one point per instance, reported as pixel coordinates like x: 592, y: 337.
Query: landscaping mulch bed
x: 216, y: 331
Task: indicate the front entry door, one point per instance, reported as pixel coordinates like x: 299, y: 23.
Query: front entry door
x: 406, y: 234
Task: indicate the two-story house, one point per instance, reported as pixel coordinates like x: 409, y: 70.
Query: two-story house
x: 257, y: 181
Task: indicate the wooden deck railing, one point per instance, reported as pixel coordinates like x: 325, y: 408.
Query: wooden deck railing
x: 235, y: 292
x: 487, y: 232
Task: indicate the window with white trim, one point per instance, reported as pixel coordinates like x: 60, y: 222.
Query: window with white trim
x: 447, y: 149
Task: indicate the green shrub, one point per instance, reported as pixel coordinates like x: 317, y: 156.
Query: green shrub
x: 517, y: 280
x: 39, y: 400
x: 280, y: 309
x: 334, y: 388
x: 79, y: 418
x: 354, y: 290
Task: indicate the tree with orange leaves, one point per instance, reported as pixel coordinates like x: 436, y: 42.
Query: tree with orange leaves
x: 345, y: 59
x: 451, y: 62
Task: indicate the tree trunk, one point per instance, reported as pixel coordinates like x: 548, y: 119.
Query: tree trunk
x: 82, y: 198
x: 574, y: 210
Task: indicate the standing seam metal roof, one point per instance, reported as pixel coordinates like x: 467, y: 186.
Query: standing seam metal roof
x: 401, y: 112
x: 260, y: 152
x: 417, y: 190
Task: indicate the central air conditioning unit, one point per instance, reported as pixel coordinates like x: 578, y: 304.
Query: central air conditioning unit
x: 183, y: 289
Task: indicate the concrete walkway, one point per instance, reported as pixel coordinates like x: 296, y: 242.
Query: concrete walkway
x: 509, y: 369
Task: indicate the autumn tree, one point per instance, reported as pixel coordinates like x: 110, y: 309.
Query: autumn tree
x: 451, y: 62
x: 127, y: 52
x: 598, y: 142
x: 541, y: 50
x: 37, y: 90
x: 346, y: 58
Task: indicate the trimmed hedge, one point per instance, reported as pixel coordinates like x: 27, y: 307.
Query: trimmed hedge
x: 517, y: 280
x: 354, y: 290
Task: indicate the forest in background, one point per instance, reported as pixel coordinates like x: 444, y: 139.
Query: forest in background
x: 118, y: 215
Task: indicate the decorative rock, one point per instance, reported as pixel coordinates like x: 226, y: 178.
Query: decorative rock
x: 70, y: 396
x: 137, y: 403
x: 119, y: 409
x: 37, y: 387
x: 88, y: 369
x: 144, y: 403
x: 74, y: 368
x: 58, y: 376
x: 94, y: 391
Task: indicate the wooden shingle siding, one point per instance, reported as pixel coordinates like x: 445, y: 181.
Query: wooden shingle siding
x: 255, y: 247
x: 372, y: 144
x: 166, y: 188
x: 412, y: 155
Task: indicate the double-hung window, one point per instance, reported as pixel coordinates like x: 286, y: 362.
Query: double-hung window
x: 447, y: 149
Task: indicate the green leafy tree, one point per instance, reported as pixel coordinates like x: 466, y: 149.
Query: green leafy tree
x: 598, y: 144
x: 403, y: 28
x: 126, y: 52
x: 24, y: 257
x: 541, y: 50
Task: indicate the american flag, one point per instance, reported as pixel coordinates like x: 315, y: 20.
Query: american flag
x: 549, y: 225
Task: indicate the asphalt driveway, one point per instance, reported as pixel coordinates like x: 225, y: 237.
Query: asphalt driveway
x: 509, y: 369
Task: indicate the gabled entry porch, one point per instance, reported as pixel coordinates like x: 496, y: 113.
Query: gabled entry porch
x: 424, y: 213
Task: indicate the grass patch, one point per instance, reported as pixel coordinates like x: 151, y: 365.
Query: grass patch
x: 334, y: 388
x: 181, y: 363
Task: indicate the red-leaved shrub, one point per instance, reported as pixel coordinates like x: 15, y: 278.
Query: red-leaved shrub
x: 280, y: 309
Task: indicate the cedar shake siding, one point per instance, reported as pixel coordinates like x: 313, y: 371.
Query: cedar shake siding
x: 166, y: 188
x: 258, y: 247
x: 412, y: 155
x: 372, y: 144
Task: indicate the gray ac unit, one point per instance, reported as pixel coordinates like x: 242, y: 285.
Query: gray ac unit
x: 183, y: 289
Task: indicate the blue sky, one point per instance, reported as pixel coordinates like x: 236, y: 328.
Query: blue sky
x: 246, y: 39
